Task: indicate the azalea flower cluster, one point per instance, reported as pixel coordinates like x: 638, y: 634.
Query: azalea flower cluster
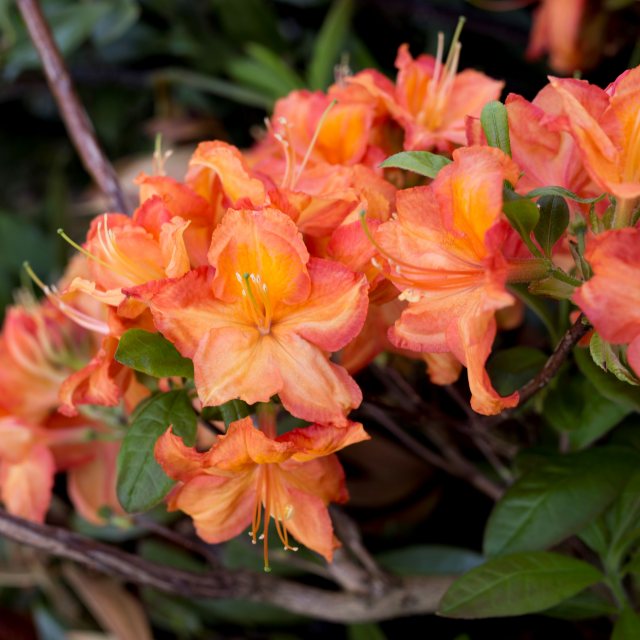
x: 283, y: 270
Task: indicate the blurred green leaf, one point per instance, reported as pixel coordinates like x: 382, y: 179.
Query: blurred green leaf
x: 517, y: 584
x: 122, y: 16
x: 141, y: 481
x: 429, y: 560
x: 627, y: 626
x: 562, y: 192
x: 509, y: 369
x: 422, y: 162
x: 153, y: 354
x: 365, y: 631
x: 329, y: 44
x: 550, y: 503
x: 584, y: 606
x: 234, y: 410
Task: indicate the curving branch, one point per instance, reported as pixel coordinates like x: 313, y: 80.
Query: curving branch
x: 551, y: 367
x: 401, y: 596
x: 73, y: 113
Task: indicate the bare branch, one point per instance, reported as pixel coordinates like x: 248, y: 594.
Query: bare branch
x: 73, y: 113
x: 404, y: 596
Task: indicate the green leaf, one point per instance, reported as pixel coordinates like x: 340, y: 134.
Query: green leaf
x: 523, y: 215
x: 564, y: 193
x: 608, y: 385
x: 509, y: 369
x: 554, y: 219
x: 627, y: 626
x: 495, y: 124
x: 556, y: 500
x: 583, y: 606
x: 421, y: 162
x: 610, y: 358
x: 152, y: 354
x: 264, y: 71
x: 623, y: 519
x: 329, y: 44
x: 429, y: 560
x: 365, y: 631
x: 141, y: 481
x: 517, y: 584
x: 575, y: 406
x: 234, y: 410
x: 229, y: 90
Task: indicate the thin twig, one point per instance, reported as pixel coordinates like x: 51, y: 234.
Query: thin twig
x: 406, y: 596
x: 73, y: 113
x: 569, y: 340
x: 450, y: 461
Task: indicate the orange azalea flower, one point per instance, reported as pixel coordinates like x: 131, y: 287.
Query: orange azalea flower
x: 264, y: 319
x: 292, y: 478
x: 445, y: 254
x: 606, y: 128
x: 556, y: 30
x: 546, y: 154
x: 611, y: 298
x: 430, y: 99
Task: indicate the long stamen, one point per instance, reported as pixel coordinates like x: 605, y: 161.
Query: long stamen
x: 267, y: 518
x: 82, y: 250
x: 77, y: 316
x: 314, y: 139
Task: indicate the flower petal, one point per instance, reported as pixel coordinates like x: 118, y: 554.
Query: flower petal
x: 319, y: 440
x: 335, y: 310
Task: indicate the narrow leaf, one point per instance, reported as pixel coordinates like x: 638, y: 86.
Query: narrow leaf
x: 609, y: 358
x: 554, y: 219
x: 564, y: 193
x: 421, y: 162
x: 429, y: 560
x: 141, y: 481
x: 517, y: 584
x: 329, y: 44
x: 556, y: 500
x: 152, y: 354
x: 495, y: 124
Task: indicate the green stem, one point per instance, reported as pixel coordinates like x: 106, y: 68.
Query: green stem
x: 528, y: 269
x: 559, y: 274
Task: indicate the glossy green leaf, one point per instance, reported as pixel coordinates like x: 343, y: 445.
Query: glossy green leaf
x: 141, y: 481
x: 153, y: 354
x: 554, y: 219
x: 627, y: 626
x: 495, y: 124
x: 429, y: 560
x: 623, y: 518
x: 555, y: 500
x: 517, y: 584
x: 329, y: 44
x: 421, y: 162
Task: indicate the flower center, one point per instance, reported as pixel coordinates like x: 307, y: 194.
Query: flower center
x: 257, y: 301
x: 265, y: 493
x: 439, y: 87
